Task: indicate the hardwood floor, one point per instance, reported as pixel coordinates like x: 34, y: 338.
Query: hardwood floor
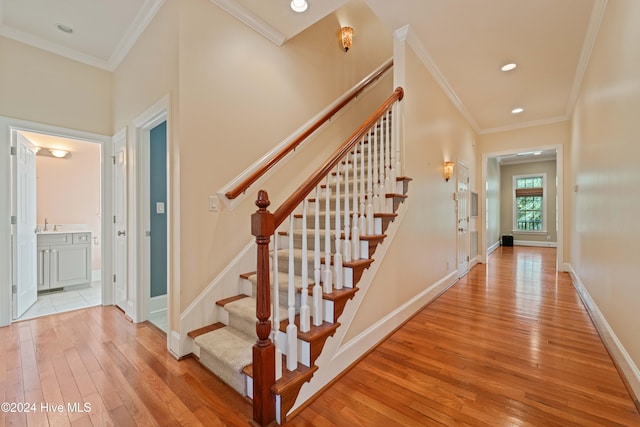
x: 509, y: 345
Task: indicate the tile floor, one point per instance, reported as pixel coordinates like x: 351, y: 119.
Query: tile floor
x: 159, y: 318
x: 65, y: 300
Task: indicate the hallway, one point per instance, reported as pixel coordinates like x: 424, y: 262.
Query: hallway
x: 509, y: 344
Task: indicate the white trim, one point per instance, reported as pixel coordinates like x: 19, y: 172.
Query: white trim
x: 158, y: 304
x: 139, y: 24
x: 514, y: 217
x: 96, y: 275
x: 138, y: 208
x: 616, y: 350
x: 523, y: 125
x: 535, y: 243
x: 174, y: 344
x: 6, y: 125
x: 493, y: 247
x: 251, y: 20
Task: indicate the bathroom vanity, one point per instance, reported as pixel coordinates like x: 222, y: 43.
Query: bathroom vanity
x: 64, y: 259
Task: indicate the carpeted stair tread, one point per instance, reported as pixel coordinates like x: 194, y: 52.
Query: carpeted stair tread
x: 226, y: 352
x: 283, y: 280
x: 242, y: 315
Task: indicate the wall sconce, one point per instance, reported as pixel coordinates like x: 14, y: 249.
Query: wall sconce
x: 299, y: 5
x: 346, y: 35
x: 448, y: 170
x: 58, y: 153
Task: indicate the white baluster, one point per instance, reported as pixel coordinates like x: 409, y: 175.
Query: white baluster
x: 328, y: 274
x: 317, y: 288
x: 355, y: 233
x: 276, y: 287
x: 347, y: 221
x: 384, y: 166
x: 376, y: 198
x: 305, y: 311
x: 363, y: 207
x: 337, y: 256
x: 292, y: 329
x: 369, y: 208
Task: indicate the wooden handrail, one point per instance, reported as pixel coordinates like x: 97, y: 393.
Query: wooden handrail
x: 352, y: 94
x: 306, y: 187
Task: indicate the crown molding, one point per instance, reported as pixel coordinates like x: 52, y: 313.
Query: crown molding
x: 250, y: 19
x: 533, y: 123
x: 597, y: 13
x: 52, y: 47
x: 424, y: 56
x: 137, y: 27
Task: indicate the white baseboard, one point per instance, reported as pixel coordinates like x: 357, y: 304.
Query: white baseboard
x: 96, y: 275
x: 535, y: 243
x: 628, y: 369
x: 158, y: 303
x: 493, y: 247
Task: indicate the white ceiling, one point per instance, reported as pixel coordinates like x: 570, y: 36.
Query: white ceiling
x: 463, y: 42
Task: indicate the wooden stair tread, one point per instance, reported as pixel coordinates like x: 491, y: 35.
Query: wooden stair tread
x: 226, y: 301
x: 339, y: 294
x: 293, y: 379
x: 315, y: 333
x: 201, y: 331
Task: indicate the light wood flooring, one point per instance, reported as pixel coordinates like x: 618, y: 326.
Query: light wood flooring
x: 509, y: 345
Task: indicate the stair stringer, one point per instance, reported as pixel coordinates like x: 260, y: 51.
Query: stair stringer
x: 228, y: 283
x: 337, y: 355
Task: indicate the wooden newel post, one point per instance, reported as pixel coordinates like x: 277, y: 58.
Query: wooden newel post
x: 264, y: 351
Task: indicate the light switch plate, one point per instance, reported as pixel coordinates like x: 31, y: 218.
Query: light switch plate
x: 159, y: 207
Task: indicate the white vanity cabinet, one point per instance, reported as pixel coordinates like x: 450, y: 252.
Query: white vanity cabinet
x: 64, y: 259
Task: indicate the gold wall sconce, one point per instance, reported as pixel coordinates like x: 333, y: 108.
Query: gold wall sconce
x: 448, y: 170
x: 346, y: 36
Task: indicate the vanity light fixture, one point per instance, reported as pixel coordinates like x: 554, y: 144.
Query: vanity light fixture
x: 517, y: 110
x: 299, y: 5
x: 448, y: 170
x: 508, y: 67
x: 346, y: 35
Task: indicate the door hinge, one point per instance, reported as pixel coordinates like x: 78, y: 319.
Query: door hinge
x: 14, y: 220
x: 114, y: 219
x: 12, y: 151
x: 14, y: 289
x: 113, y: 158
x: 468, y: 258
x: 114, y: 278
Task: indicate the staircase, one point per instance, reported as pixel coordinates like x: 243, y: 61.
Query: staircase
x: 307, y: 270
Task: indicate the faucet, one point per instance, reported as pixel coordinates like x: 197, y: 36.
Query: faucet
x: 45, y: 224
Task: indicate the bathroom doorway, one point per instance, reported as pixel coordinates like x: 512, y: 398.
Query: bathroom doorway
x: 68, y: 218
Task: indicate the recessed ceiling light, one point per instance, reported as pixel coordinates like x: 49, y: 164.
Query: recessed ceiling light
x: 509, y: 67
x: 65, y: 28
x: 299, y: 5
x: 517, y: 110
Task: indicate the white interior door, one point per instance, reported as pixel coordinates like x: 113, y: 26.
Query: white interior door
x: 25, y: 238
x: 462, y: 194
x: 120, y: 220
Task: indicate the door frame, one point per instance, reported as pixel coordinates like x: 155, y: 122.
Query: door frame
x: 138, y: 205
x: 559, y: 194
x: 467, y: 242
x: 7, y: 187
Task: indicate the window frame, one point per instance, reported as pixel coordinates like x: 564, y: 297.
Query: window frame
x: 515, y: 229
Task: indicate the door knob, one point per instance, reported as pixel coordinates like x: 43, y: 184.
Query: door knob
x: 121, y: 233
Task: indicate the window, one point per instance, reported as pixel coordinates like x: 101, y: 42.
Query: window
x: 529, y: 204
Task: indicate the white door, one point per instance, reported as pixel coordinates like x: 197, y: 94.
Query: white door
x: 25, y: 238
x: 462, y: 194
x: 120, y: 220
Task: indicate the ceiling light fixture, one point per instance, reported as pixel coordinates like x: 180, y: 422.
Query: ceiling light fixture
x: 299, y: 5
x: 509, y: 67
x: 517, y: 110
x: 58, y: 153
x: 65, y: 28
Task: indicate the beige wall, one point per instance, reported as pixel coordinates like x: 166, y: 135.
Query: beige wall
x: 507, y: 172
x: 240, y: 95
x: 605, y: 232
x: 492, y: 202
x: 68, y: 193
x: 530, y: 138
x: 42, y: 87
x: 424, y: 249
